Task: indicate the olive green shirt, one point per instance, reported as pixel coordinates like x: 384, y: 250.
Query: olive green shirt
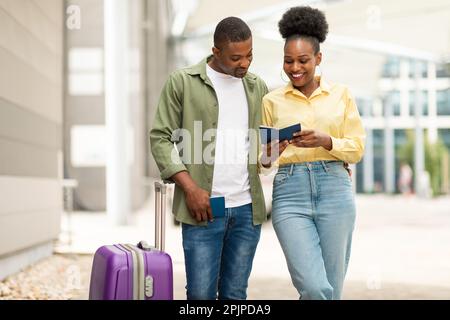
x: 188, y: 101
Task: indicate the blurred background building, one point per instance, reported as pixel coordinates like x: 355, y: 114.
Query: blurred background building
x: 394, y: 56
x: 80, y: 80
x: 54, y: 121
x: 31, y: 124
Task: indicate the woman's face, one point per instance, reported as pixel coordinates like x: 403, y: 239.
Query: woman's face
x: 300, y: 62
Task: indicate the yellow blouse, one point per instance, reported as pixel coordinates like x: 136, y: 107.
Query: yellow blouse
x: 330, y: 109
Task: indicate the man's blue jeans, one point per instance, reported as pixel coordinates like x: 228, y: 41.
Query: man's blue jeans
x: 313, y: 214
x: 219, y: 256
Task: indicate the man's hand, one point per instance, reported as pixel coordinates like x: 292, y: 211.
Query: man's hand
x: 197, y: 201
x: 312, y: 139
x: 272, y: 151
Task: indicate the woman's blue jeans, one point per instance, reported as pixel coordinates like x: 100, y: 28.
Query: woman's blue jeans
x: 313, y: 214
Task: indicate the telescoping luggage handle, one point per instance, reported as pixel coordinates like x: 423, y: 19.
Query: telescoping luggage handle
x: 160, y: 215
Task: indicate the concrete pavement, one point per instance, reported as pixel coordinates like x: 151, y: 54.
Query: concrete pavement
x: 401, y: 249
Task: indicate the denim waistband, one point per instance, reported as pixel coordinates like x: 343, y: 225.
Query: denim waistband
x: 322, y: 164
x: 312, y: 163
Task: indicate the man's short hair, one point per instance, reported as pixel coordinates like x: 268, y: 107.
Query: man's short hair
x: 231, y: 29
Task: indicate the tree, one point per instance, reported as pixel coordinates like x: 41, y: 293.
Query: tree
x: 434, y: 154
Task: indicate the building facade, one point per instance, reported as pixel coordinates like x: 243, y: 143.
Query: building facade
x: 31, y: 122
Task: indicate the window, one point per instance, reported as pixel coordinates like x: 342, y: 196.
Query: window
x: 392, y: 99
x: 443, y: 70
x: 424, y: 100
x: 444, y: 134
x: 443, y: 102
x: 400, y: 140
x: 378, y: 159
x: 422, y: 65
x: 391, y: 69
x: 85, y: 72
x: 364, y: 106
x: 89, y: 146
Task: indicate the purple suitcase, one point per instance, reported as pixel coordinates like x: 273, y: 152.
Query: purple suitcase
x: 128, y: 272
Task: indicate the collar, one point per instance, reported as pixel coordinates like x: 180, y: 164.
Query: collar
x: 324, y: 86
x: 200, y: 69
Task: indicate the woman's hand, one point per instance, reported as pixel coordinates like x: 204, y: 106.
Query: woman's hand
x: 312, y: 139
x: 272, y: 151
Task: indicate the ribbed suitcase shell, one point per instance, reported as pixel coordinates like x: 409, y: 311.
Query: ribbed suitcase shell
x: 113, y: 271
x: 128, y: 272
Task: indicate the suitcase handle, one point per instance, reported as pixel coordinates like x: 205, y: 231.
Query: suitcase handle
x: 160, y: 215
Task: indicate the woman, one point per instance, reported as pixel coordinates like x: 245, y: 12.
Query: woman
x: 313, y: 210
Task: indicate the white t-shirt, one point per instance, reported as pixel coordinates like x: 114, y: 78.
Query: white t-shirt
x: 231, y: 179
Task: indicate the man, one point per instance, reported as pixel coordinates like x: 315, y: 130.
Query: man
x: 219, y: 95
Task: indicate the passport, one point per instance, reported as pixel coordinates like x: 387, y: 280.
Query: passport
x: 217, y: 206
x: 270, y: 133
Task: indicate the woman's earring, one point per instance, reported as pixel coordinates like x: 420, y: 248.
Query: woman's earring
x: 318, y: 72
x: 281, y: 75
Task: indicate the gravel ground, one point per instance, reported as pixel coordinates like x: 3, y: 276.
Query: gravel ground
x: 398, y: 252
x: 66, y: 277
x: 59, y: 277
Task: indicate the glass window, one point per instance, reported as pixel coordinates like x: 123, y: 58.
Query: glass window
x: 391, y: 69
x: 359, y: 177
x: 88, y: 146
x: 443, y: 70
x: 85, y: 71
x: 364, y: 106
x: 443, y: 102
x: 423, y: 67
x: 392, y: 98
x: 378, y: 159
x: 400, y: 139
x: 424, y: 100
x: 444, y: 134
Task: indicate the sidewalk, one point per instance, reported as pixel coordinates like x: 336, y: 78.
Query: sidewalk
x: 400, y: 250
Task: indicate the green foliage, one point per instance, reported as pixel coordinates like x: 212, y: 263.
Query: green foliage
x: 434, y: 153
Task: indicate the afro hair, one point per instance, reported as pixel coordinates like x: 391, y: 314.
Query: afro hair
x: 303, y: 22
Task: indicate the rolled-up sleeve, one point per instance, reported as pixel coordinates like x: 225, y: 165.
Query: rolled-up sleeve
x: 350, y: 148
x: 167, y: 120
x: 267, y: 120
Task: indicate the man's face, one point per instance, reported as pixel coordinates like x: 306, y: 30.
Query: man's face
x: 234, y: 58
